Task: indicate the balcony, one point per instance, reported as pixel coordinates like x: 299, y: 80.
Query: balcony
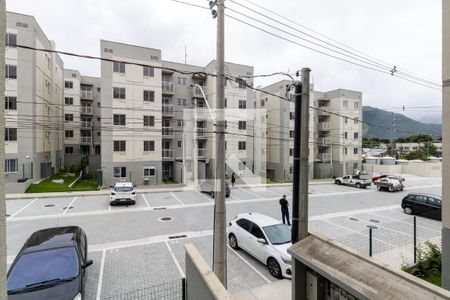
x: 86, y: 110
x: 167, y: 110
x: 167, y: 132
x: 86, y: 124
x: 324, y: 140
x: 87, y: 95
x: 324, y: 156
x: 167, y: 154
x: 167, y: 87
x: 201, y: 133
x: 323, y: 126
x: 86, y: 140
x: 323, y: 111
x: 202, y: 153
x: 197, y: 92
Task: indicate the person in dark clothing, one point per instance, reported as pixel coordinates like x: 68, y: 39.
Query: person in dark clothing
x: 285, y: 210
x: 233, y: 179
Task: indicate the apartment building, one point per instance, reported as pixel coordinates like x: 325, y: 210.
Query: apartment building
x: 33, y: 105
x: 82, y: 128
x: 161, y: 123
x: 335, y: 142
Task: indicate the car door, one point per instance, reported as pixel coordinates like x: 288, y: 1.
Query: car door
x: 434, y: 208
x: 345, y: 179
x: 420, y: 206
x: 243, y: 233
x: 257, y: 249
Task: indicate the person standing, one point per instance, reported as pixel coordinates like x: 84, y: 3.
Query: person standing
x: 285, y: 210
x: 233, y: 179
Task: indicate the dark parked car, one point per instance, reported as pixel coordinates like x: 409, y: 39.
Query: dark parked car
x: 208, y: 187
x: 425, y: 205
x: 51, y: 265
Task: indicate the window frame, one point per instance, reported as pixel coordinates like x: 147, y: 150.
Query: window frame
x: 8, y: 101
x: 10, y: 69
x: 118, y: 67
x: 10, y: 134
x: 150, y: 146
x: 149, y: 169
x: 242, y: 145
x: 117, y: 93
x: 120, y: 146
x: 8, y: 165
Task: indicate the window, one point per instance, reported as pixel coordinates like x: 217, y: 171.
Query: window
x: 120, y: 146
x: 291, y: 170
x: 119, y: 172
x: 149, y: 171
x: 242, y: 84
x: 68, y: 84
x: 119, y: 67
x: 291, y: 133
x: 182, y: 81
x: 356, y: 104
x: 345, y: 135
x: 10, y: 134
x: 10, y: 71
x: 69, y: 133
x: 149, y: 145
x: 119, y: 93
x: 291, y: 152
x: 355, y: 120
x: 355, y: 150
x: 256, y: 231
x: 69, y: 150
x: 263, y: 102
x: 242, y: 104
x: 97, y: 149
x: 68, y: 117
x: 149, y: 121
x: 345, y: 120
x: 242, y: 125
x: 181, y: 102
x: 11, y: 40
x: 68, y: 100
x: 244, y: 224
x: 291, y: 115
x: 180, y: 144
x: 98, y: 133
x: 242, y: 145
x: 11, y: 165
x: 11, y: 103
x: 149, y: 72
x: 180, y: 123
x: 226, y: 102
x: 345, y: 150
x: 345, y: 103
x: 149, y: 96
x: 119, y: 120
x: 355, y: 135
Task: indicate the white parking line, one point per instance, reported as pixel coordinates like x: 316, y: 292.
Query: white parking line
x: 13, y: 215
x: 251, y: 193
x: 206, y: 197
x: 236, y: 198
x: 178, y: 199
x: 249, y: 264
x: 145, y: 199
x: 68, y: 206
x: 175, y: 260
x: 100, y: 277
x: 351, y: 212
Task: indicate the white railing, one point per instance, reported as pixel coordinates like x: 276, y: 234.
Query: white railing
x: 167, y: 109
x: 86, y: 110
x: 86, y: 139
x: 201, y: 132
x: 202, y: 152
x: 323, y: 110
x: 167, y: 86
x: 325, y: 140
x: 86, y: 124
x: 198, y: 92
x: 167, y: 131
x: 87, y: 95
x: 167, y: 153
x: 324, y: 156
x: 322, y: 126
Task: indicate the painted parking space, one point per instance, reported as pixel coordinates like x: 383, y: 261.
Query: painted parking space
x: 140, y: 204
x: 90, y: 203
x: 48, y: 206
x: 15, y: 207
x: 160, y: 199
x: 241, y: 194
x: 191, y: 197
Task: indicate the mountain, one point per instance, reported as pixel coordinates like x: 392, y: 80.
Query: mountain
x: 403, y: 126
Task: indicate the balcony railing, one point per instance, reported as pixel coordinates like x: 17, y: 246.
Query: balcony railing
x: 86, y: 124
x: 324, y: 126
x: 202, y: 152
x: 323, y: 111
x: 86, y: 110
x: 167, y: 109
x: 87, y: 95
x: 197, y: 92
x: 201, y: 132
x: 167, y: 87
x: 324, y: 156
x: 325, y: 140
x: 167, y: 153
x: 167, y: 131
x: 86, y: 139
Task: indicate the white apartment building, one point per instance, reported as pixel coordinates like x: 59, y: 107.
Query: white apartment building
x: 82, y: 131
x: 335, y: 142
x: 33, y: 105
x: 151, y: 126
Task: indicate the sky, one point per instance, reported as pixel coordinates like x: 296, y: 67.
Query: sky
x: 401, y: 33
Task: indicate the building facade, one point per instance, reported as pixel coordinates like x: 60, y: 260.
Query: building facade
x: 33, y: 105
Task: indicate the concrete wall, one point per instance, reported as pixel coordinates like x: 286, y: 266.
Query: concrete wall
x: 201, y: 282
x: 419, y: 169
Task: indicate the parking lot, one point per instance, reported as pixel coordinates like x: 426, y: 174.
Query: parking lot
x: 134, y: 248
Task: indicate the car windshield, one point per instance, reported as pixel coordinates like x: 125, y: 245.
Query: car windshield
x: 123, y: 189
x: 278, y: 234
x: 46, y: 265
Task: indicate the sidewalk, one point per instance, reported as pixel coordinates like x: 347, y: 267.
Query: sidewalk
x: 144, y: 189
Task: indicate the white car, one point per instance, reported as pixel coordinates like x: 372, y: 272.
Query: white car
x: 265, y: 238
x: 123, y: 192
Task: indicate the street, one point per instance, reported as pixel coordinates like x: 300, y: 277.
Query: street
x: 140, y: 246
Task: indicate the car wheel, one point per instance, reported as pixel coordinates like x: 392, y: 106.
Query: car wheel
x: 378, y: 187
x: 338, y: 182
x: 391, y: 188
x: 233, y: 242
x: 358, y: 185
x: 274, y: 267
x: 408, y: 210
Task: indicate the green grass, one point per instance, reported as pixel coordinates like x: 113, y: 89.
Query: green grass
x: 47, y: 186
x: 434, y: 278
x: 169, y: 181
x: 269, y: 181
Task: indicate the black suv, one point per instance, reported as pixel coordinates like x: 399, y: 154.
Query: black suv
x: 425, y: 205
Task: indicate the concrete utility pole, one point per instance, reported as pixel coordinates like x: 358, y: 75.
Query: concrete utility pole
x: 446, y: 144
x: 220, y: 234
x: 300, y: 180
x: 3, y: 294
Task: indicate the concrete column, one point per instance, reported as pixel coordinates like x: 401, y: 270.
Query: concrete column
x: 446, y: 144
x: 2, y: 155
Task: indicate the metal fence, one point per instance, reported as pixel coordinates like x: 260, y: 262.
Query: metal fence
x: 175, y: 290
